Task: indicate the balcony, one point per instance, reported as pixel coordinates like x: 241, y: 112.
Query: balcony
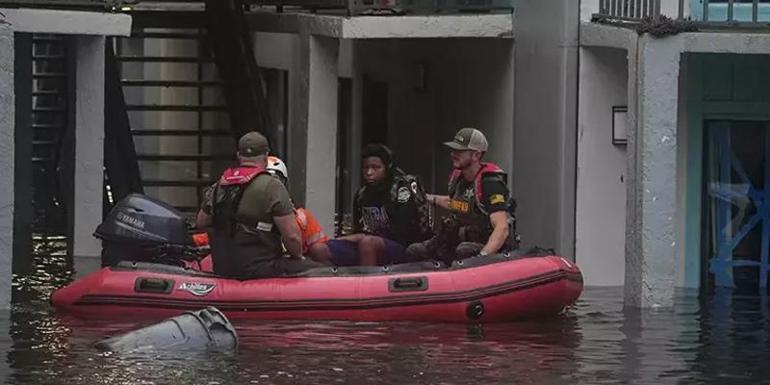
x: 356, y: 7
x: 84, y: 5
x: 349, y: 7
x: 707, y: 13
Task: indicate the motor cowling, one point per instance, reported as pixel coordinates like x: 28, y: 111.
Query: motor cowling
x: 140, y: 228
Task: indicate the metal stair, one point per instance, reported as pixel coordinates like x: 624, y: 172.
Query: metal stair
x: 51, y: 115
x: 177, y: 158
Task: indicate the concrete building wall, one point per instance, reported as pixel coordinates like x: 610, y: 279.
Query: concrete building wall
x: 435, y: 87
x: 275, y: 50
x: 688, y: 275
x: 89, y: 144
x: 467, y: 83
x: 676, y: 85
x: 546, y: 34
x: 320, y: 150
x: 178, y: 120
x: 7, y: 126
x: 719, y: 86
x: 588, y: 8
x: 601, y: 189
x: 476, y: 90
x: 412, y: 114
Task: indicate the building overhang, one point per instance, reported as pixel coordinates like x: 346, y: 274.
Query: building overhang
x: 731, y: 42
x: 67, y: 22
x: 385, y: 27
x: 602, y: 35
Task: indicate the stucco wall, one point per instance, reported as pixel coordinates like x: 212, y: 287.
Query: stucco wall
x: 177, y: 120
x: 477, y: 90
x: 546, y: 34
x: 469, y: 82
x: 412, y: 115
x: 601, y: 191
x: 89, y: 144
x: 276, y: 50
x: 7, y: 125
x: 588, y: 8
x: 719, y: 86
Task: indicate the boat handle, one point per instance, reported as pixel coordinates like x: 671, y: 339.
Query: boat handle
x: 408, y: 284
x: 153, y: 285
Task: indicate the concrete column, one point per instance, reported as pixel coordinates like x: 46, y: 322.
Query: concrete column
x: 7, y: 126
x: 320, y: 187
x: 355, y: 138
x: 89, y: 147
x: 651, y: 208
x: 23, y: 213
x: 298, y: 107
x: 314, y: 126
x: 545, y: 105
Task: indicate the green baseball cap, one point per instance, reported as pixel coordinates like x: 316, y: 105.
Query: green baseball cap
x: 468, y: 139
x: 253, y: 144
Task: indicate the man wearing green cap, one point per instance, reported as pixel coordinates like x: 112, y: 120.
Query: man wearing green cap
x: 478, y: 200
x: 252, y: 219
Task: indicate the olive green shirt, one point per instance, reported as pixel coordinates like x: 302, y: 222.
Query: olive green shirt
x: 264, y: 198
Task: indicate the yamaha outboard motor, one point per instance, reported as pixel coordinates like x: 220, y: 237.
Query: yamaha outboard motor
x: 143, y: 229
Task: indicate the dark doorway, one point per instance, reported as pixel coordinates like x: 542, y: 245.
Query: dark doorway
x: 375, y: 111
x: 343, y: 203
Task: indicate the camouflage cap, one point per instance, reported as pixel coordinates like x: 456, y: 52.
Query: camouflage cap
x: 253, y: 144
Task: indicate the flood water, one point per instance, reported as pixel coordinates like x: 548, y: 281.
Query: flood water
x: 722, y: 339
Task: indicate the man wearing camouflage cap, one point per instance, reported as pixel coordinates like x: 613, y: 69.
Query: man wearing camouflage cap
x: 478, y: 200
x: 252, y: 218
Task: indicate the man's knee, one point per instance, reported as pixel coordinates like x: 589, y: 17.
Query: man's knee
x: 370, y: 242
x: 295, y: 265
x: 417, y: 251
x: 468, y: 249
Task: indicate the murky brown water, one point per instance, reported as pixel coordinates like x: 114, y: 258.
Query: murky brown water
x: 720, y: 340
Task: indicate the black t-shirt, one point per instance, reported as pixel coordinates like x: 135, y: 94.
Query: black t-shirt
x: 370, y: 212
x: 398, y: 211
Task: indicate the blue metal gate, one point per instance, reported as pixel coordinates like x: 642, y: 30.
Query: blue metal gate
x: 732, y: 195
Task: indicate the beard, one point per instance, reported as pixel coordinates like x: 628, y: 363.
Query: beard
x: 460, y: 164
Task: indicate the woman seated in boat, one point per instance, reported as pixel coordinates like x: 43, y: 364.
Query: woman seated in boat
x: 390, y: 211
x: 313, y: 237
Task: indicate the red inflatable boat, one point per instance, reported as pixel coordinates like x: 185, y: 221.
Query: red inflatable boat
x: 482, y: 289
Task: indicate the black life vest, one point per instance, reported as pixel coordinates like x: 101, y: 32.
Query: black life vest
x: 239, y: 245
x: 474, y: 222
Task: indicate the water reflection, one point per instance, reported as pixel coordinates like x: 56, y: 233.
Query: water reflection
x: 720, y: 339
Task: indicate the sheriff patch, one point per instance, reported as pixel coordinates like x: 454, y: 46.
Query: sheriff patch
x: 413, y: 186
x: 496, y: 198
x: 403, y: 195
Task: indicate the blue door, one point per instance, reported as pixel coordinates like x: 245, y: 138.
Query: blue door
x: 737, y: 227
